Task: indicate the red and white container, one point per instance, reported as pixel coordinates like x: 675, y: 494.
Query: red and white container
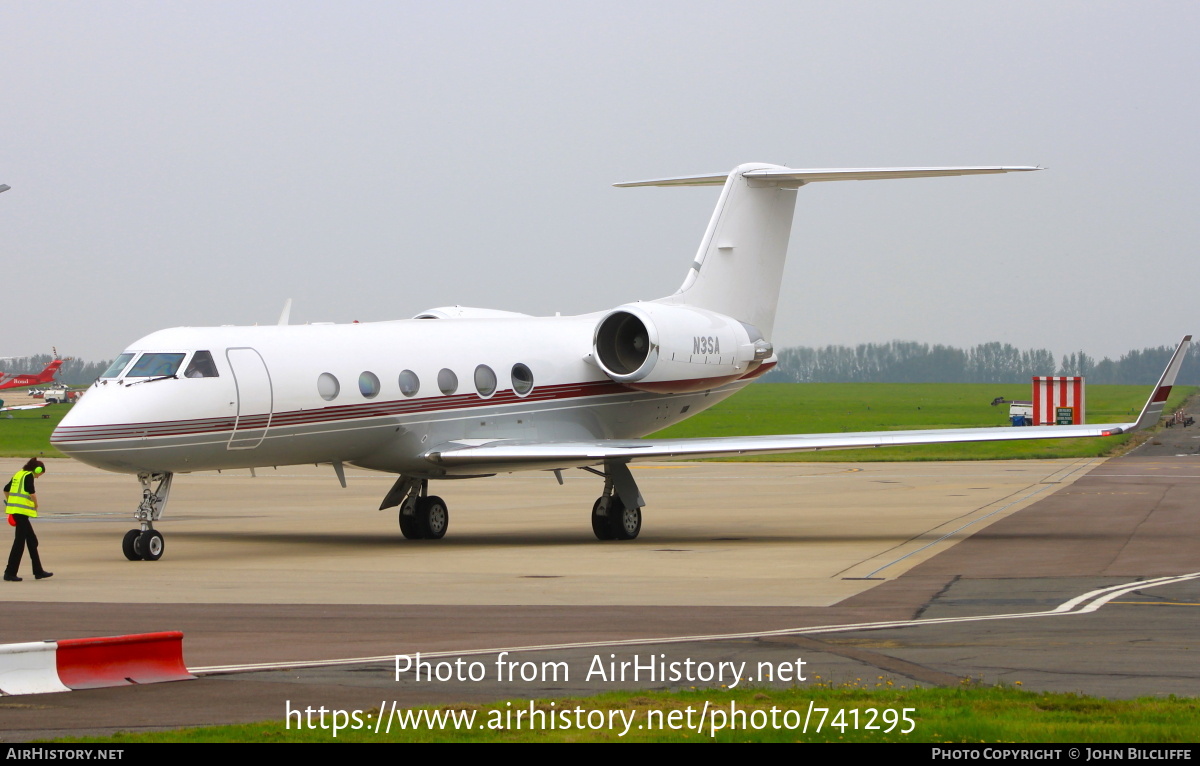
x: 1053, y: 395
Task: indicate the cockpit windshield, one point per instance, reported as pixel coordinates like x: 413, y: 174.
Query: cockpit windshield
x: 155, y: 365
x: 118, y: 364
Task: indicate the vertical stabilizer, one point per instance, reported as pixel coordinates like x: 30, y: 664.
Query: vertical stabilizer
x: 739, y: 267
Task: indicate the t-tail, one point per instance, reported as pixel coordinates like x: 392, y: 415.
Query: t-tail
x: 739, y: 266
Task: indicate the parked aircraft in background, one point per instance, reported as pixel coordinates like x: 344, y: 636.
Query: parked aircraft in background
x: 21, y: 380
x: 461, y: 392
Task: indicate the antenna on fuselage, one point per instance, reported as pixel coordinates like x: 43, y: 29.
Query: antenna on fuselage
x: 286, y: 314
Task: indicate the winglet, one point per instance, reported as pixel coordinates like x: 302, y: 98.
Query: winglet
x: 1158, y: 398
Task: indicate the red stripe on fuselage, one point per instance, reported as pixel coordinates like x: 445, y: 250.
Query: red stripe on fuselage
x: 340, y: 413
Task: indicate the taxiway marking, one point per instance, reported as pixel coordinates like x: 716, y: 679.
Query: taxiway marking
x: 1083, y: 604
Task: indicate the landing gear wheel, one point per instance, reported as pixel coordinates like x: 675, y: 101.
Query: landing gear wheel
x: 432, y: 517
x: 129, y: 545
x: 408, y: 526
x: 626, y: 523
x: 150, y: 545
x: 601, y: 527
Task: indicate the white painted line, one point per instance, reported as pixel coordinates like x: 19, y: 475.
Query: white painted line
x: 1083, y: 604
x: 953, y: 532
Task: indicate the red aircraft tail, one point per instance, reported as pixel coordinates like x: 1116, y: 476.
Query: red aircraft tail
x: 45, y: 376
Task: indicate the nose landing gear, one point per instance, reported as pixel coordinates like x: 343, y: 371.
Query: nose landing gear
x: 146, y: 543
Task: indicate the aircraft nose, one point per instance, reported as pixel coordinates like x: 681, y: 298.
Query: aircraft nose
x: 79, y: 428
x: 98, y: 433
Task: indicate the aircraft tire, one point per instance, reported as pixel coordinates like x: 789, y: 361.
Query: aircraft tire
x: 433, y: 517
x: 150, y: 545
x: 626, y: 522
x: 129, y: 545
x: 601, y: 523
x: 409, y: 527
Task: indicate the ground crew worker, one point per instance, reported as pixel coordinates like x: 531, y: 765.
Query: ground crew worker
x: 20, y: 503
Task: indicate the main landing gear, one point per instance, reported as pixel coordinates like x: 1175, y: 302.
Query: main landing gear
x: 422, y: 516
x: 146, y: 543
x: 611, y: 520
x: 617, y: 514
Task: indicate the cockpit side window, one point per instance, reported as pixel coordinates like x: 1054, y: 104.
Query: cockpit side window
x: 114, y: 369
x: 201, y: 366
x: 155, y: 365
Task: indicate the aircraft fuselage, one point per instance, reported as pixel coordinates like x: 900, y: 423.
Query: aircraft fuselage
x: 317, y: 393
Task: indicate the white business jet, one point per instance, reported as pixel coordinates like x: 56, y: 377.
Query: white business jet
x: 464, y: 392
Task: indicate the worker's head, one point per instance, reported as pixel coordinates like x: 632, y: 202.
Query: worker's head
x: 36, y: 466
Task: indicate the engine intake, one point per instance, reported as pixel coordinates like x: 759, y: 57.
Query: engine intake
x: 623, y: 344
x: 675, y: 349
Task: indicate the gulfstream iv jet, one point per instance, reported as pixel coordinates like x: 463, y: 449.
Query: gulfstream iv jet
x: 465, y: 392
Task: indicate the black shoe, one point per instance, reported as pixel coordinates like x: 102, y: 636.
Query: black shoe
x: 43, y: 575
x: 11, y: 578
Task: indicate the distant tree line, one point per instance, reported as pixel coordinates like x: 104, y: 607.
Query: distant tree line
x: 894, y: 362
x: 74, y: 373
x: 908, y: 362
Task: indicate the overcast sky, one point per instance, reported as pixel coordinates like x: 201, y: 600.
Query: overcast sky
x: 198, y: 163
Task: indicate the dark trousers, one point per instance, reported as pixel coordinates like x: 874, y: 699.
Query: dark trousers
x: 23, y: 537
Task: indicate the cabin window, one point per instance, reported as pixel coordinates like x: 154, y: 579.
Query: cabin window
x: 485, y: 381
x: 368, y: 385
x: 328, y: 386
x: 447, y: 381
x: 114, y: 369
x: 155, y: 366
x: 522, y: 379
x: 201, y: 366
x: 410, y: 384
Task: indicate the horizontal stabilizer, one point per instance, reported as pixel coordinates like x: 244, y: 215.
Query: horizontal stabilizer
x: 803, y: 176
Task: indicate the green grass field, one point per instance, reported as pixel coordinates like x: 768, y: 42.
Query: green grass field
x: 780, y: 408
x: 26, y: 433
x: 972, y: 713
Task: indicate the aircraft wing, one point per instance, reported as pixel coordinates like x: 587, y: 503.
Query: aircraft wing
x: 23, y: 407
x: 511, y: 455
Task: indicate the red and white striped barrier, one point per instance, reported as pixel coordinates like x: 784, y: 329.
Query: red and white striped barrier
x: 41, y: 667
x: 1050, y: 393
x: 29, y: 668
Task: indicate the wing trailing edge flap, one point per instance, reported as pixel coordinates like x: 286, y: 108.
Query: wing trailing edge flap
x: 520, y: 455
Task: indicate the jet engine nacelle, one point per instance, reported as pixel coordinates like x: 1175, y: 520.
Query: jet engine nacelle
x: 673, y: 349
